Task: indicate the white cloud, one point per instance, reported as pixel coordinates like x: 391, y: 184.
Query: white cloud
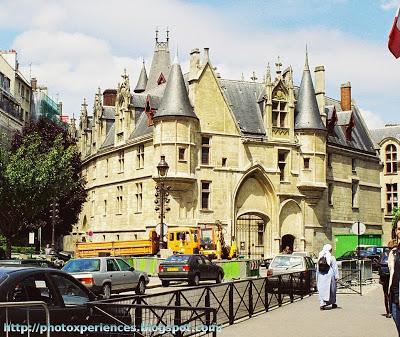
x: 76, y: 46
x: 372, y: 120
x: 390, y: 4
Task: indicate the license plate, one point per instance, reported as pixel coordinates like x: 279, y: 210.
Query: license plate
x: 172, y: 269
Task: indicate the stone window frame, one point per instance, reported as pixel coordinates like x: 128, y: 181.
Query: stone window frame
x: 181, y: 153
x: 139, y: 197
x: 140, y: 157
x: 391, y: 198
x: 391, y: 159
x: 121, y: 161
x: 355, y: 193
x: 330, y: 194
x: 283, y: 165
x: 205, y: 149
x: 120, y: 191
x: 205, y: 193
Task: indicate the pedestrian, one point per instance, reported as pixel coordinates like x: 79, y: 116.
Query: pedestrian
x: 327, y: 275
x: 394, y: 278
x: 287, y: 250
x: 384, y: 275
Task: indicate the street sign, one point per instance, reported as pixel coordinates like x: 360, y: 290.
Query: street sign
x: 158, y: 228
x: 31, y: 238
x: 90, y: 233
x: 358, y: 226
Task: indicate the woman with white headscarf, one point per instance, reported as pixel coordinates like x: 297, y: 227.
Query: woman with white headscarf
x: 326, y: 281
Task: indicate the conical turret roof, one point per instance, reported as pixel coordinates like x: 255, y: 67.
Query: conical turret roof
x: 307, y: 116
x: 175, y: 101
x: 142, y: 81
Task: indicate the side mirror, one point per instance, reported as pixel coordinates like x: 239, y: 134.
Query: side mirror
x: 131, y: 269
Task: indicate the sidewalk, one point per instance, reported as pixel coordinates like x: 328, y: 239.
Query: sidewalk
x: 356, y: 316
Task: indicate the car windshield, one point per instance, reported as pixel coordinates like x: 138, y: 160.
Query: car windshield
x: 178, y: 258
x: 286, y: 261
x: 81, y: 265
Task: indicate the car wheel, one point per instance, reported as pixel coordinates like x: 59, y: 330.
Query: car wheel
x: 106, y: 291
x: 195, y: 281
x: 164, y: 283
x: 141, y: 287
x: 219, y: 278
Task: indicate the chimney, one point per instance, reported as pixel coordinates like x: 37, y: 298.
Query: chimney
x: 109, y: 97
x: 34, y: 83
x: 319, y: 73
x: 206, y: 55
x: 345, y: 96
x: 194, y: 63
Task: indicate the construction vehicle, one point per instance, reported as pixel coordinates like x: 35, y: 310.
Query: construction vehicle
x: 208, y: 241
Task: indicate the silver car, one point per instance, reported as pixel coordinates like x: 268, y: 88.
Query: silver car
x: 106, y: 275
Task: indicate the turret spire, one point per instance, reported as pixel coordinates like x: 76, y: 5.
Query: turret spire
x: 175, y: 101
x: 142, y: 81
x: 306, y: 110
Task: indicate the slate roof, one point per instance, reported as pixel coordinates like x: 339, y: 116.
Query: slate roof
x: 242, y: 98
x: 142, y: 128
x: 161, y: 63
x: 109, y: 142
x: 360, y: 137
x: 344, y: 117
x: 388, y: 131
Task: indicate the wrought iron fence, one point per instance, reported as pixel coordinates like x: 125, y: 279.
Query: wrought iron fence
x: 232, y: 301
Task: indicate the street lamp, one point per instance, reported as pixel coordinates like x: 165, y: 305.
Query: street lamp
x: 162, y: 193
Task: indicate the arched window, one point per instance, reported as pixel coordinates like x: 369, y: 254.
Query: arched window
x: 391, y: 159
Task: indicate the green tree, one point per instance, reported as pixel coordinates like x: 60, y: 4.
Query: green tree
x: 41, y: 165
x: 395, y: 219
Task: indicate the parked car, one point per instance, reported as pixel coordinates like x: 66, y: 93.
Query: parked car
x: 284, y: 264
x: 190, y: 268
x: 364, y: 254
x: 29, y: 262
x: 65, y: 296
x: 107, y: 275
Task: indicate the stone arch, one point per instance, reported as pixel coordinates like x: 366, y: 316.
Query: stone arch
x: 255, y: 196
x: 291, y: 222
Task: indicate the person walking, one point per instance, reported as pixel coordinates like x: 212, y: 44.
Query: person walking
x: 394, y: 278
x: 384, y: 275
x: 327, y: 275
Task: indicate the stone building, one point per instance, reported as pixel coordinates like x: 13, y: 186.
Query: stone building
x: 277, y: 164
x: 387, y: 141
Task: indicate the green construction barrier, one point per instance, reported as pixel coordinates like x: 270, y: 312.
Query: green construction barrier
x: 146, y: 264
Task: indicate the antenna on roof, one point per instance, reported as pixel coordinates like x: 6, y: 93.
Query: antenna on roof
x: 167, y: 35
x: 156, y: 34
x: 253, y: 77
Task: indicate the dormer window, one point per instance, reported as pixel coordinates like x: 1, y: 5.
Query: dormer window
x: 279, y: 113
x: 391, y: 159
x: 279, y: 108
x: 161, y: 79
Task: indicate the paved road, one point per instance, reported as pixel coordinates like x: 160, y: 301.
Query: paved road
x: 357, y: 316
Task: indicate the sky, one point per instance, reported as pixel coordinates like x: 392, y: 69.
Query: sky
x: 73, y: 47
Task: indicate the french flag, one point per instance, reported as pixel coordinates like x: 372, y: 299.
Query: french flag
x: 394, y: 36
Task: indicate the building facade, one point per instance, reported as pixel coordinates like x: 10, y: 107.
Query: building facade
x: 15, y: 94
x: 387, y: 141
x: 277, y: 164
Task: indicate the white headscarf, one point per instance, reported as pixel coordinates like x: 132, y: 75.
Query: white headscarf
x: 326, y: 252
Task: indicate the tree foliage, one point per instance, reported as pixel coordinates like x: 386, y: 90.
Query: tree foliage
x: 39, y: 166
x: 395, y: 219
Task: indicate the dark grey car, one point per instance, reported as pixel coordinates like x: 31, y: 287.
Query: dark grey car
x: 106, y: 275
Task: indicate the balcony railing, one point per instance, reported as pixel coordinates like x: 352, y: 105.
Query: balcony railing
x: 10, y: 106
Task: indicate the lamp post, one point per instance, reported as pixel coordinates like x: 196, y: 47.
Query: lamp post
x: 162, y: 192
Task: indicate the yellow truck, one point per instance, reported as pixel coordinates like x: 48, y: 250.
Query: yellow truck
x: 182, y: 240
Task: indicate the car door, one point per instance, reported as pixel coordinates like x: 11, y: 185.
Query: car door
x: 130, y: 276
x: 34, y: 287
x: 114, y: 274
x: 72, y: 299
x: 208, y: 268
